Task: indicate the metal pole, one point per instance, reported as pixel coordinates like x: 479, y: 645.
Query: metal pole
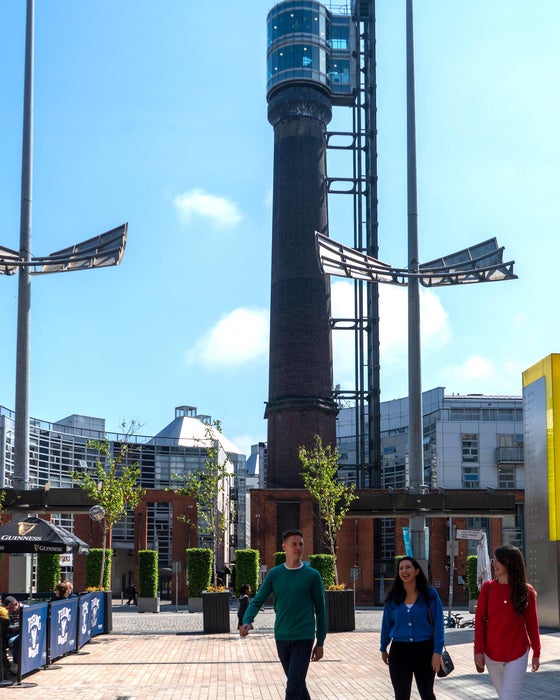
x: 414, y: 362
x: 451, y: 570
x: 415, y: 435
x: 372, y: 290
x: 21, y: 433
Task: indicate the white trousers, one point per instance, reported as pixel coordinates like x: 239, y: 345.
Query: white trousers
x: 507, y: 677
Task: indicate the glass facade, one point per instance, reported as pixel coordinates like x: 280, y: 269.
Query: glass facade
x: 57, y: 449
x: 308, y: 44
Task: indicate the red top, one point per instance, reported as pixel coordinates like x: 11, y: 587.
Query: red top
x: 500, y: 632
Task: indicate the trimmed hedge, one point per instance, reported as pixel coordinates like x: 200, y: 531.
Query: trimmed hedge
x: 324, y: 563
x: 472, y: 582
x: 48, y: 571
x: 93, y: 568
x: 199, y: 570
x: 246, y: 569
x: 148, y: 576
x: 279, y: 558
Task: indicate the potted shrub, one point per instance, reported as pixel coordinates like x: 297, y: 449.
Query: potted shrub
x: 148, y: 600
x: 95, y: 562
x: 339, y: 600
x: 333, y: 497
x: 199, y: 575
x: 215, y: 610
x: 320, y: 478
x: 472, y: 581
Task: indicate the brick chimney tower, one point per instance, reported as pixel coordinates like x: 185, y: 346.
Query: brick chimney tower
x: 300, y: 403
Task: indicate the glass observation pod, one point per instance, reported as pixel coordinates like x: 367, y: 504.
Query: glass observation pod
x: 308, y: 44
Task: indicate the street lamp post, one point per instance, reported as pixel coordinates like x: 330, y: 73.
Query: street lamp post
x: 258, y: 517
x: 101, y: 251
x: 480, y: 263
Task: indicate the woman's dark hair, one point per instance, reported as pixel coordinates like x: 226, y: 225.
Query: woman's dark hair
x: 245, y: 588
x: 397, y: 593
x: 511, y: 557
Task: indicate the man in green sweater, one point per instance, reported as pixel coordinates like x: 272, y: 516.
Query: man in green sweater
x: 299, y: 604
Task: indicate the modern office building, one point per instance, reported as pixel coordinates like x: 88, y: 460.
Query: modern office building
x: 471, y: 442
x: 163, y: 521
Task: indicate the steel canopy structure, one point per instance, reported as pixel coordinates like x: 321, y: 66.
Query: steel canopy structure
x: 104, y: 250
x: 480, y: 263
x: 380, y: 503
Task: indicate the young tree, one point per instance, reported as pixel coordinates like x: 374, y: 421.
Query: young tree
x: 320, y: 466
x: 210, y: 486
x: 112, y: 484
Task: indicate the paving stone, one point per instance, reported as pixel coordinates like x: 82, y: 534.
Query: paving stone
x: 166, y: 656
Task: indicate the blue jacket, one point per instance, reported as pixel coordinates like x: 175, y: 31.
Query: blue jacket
x: 403, y: 624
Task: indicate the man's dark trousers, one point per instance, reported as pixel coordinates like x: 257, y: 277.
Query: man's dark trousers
x: 295, y: 657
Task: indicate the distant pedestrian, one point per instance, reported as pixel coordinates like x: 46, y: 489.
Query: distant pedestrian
x: 132, y: 595
x: 299, y: 604
x: 244, y: 596
x: 507, y: 625
x: 413, y: 625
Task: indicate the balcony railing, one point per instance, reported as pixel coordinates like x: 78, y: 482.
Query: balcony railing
x: 509, y: 455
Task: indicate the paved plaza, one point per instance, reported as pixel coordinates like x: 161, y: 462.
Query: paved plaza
x: 165, y: 656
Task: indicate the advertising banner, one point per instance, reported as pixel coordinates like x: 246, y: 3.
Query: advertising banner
x: 64, y: 627
x: 33, y: 637
x: 97, y: 613
x: 84, y: 628
x: 407, y: 541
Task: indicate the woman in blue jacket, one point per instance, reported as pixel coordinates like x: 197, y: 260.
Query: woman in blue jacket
x: 413, y: 625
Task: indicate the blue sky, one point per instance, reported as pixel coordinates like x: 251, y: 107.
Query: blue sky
x: 155, y: 114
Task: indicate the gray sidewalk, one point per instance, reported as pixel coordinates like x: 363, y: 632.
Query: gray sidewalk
x: 166, y: 656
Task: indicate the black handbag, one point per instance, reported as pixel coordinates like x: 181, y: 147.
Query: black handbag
x: 447, y: 664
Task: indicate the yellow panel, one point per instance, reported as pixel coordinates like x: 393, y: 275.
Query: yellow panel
x: 549, y: 368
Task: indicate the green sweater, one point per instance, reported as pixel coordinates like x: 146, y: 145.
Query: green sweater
x: 299, y: 598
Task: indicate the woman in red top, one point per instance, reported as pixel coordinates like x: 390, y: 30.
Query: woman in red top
x: 506, y: 624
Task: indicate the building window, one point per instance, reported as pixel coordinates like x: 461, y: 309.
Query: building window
x: 512, y: 528
x: 506, y: 477
x: 469, y: 447
x: 387, y: 538
x: 471, y: 477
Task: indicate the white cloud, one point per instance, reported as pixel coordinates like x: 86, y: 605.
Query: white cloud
x: 479, y: 374
x: 393, y: 331
x: 475, y: 368
x: 237, y: 338
x: 222, y: 212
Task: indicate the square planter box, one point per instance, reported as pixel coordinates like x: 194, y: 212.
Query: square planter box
x: 195, y: 605
x: 148, y: 605
x: 215, y: 612
x: 340, y: 611
x: 108, y: 612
